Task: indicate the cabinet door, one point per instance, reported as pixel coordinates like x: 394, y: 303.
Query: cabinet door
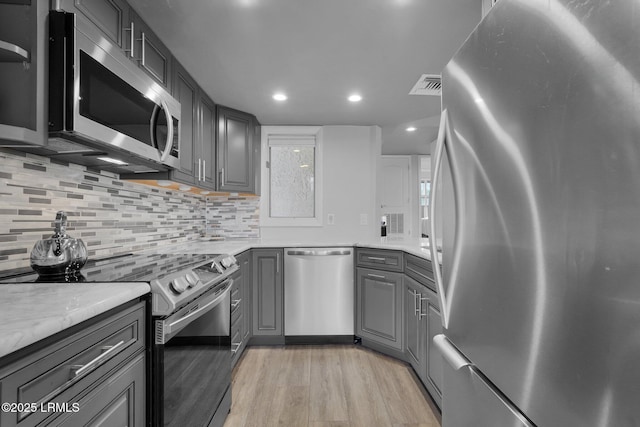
x: 257, y: 155
x: 151, y: 54
x: 110, y: 16
x: 434, y: 361
x: 244, y: 260
x: 414, y: 329
x: 207, y: 138
x: 267, y: 292
x: 117, y: 401
x: 379, y: 307
x: 235, y: 150
x: 185, y: 91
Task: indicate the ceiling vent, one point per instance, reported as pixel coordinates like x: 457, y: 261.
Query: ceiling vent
x: 428, y: 84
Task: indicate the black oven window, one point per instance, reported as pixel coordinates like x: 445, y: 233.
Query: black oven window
x: 108, y: 100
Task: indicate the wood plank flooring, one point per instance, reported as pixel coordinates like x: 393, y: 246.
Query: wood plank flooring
x: 325, y: 386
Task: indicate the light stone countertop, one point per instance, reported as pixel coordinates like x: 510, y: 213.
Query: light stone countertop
x: 417, y: 247
x: 34, y: 311
x: 31, y: 312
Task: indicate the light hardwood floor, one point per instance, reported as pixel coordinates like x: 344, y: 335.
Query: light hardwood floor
x: 325, y: 386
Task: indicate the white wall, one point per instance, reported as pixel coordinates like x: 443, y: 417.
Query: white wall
x: 351, y: 155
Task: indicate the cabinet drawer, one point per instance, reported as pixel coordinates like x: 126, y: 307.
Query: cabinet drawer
x: 419, y: 269
x: 58, y: 372
x: 118, y: 401
x: 379, y: 258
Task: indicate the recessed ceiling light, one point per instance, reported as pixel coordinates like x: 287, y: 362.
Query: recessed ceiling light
x: 304, y: 166
x: 280, y: 96
x: 411, y: 129
x: 355, y: 98
x: 110, y: 160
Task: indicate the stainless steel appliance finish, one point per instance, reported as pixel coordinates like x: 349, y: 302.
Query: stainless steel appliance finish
x: 540, y: 286
x: 192, y: 344
x: 103, y: 101
x: 318, y: 291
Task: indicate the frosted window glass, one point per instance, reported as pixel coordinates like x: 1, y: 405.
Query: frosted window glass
x: 292, y: 181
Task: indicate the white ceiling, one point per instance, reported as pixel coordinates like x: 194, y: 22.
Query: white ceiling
x: 318, y: 52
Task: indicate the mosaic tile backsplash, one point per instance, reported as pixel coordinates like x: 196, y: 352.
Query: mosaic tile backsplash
x: 111, y: 216
x: 233, y: 217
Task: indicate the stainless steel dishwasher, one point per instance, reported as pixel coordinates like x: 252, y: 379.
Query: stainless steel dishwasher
x: 318, y: 292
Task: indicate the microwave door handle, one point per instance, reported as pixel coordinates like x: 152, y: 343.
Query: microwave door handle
x: 170, y: 131
x: 153, y: 123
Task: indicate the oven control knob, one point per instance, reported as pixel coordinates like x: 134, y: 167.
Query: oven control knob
x: 192, y: 280
x: 179, y: 285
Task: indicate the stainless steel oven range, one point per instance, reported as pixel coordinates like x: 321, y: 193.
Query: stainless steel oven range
x: 189, y: 377
x: 191, y: 351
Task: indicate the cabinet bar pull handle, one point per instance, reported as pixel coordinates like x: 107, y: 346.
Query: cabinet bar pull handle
x: 143, y: 39
x: 238, y: 345
x: 79, y: 370
x: 131, y: 37
x: 199, y: 169
x: 235, y: 303
x: 204, y: 170
x: 420, y: 313
x: 222, y: 176
x: 278, y: 262
x: 375, y: 258
x: 376, y: 275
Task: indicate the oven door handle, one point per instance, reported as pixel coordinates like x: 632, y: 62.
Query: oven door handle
x: 170, y: 328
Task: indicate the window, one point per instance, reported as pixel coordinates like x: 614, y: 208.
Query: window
x: 292, y: 176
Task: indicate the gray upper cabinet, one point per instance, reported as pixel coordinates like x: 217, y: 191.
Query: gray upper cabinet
x: 236, y: 136
x: 379, y: 307
x: 268, y: 287
x: 111, y: 17
x: 185, y: 91
x: 150, y: 53
x: 23, y: 72
x: 207, y: 138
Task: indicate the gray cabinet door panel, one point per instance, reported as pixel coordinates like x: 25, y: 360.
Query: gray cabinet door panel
x: 415, y: 326
x: 379, y: 307
x: 207, y: 145
x: 434, y: 360
x: 150, y: 53
x: 110, y: 16
x: 185, y: 90
x: 236, y: 136
x: 267, y: 292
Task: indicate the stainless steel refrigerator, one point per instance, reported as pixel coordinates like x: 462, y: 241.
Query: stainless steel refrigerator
x: 538, y: 163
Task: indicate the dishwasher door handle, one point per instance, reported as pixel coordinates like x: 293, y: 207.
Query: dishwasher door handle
x: 320, y: 253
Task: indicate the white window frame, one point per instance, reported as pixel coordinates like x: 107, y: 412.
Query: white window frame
x: 290, y: 132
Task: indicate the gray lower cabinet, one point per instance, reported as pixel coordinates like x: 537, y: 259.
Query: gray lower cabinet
x: 268, y: 287
x: 433, y: 362
x: 241, y: 306
x: 415, y: 326
x: 109, y: 390
x: 379, y: 307
x: 123, y: 393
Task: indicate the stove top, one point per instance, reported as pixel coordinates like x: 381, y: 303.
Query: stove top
x: 139, y: 267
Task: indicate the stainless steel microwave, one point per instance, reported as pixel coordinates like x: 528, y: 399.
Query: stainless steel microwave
x: 101, y: 99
